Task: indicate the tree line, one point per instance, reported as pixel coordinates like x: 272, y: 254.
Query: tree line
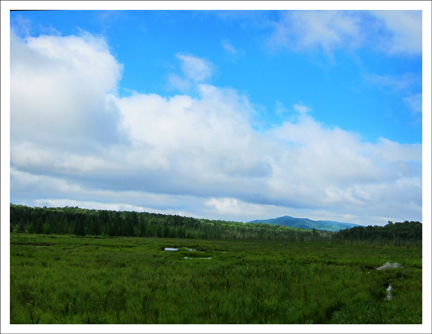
x: 82, y: 222
x: 400, y: 234
x: 87, y: 222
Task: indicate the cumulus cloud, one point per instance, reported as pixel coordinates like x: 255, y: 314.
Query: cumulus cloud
x: 207, y: 137
x: 59, y: 89
x: 196, y: 154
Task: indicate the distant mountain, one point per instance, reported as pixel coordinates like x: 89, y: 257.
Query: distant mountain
x: 326, y: 225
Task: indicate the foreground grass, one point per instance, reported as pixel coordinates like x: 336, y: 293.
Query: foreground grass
x: 71, y: 280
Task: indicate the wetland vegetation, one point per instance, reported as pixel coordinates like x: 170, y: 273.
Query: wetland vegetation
x: 128, y: 280
x: 221, y: 273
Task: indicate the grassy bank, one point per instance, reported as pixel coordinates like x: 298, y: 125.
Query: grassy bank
x: 64, y: 279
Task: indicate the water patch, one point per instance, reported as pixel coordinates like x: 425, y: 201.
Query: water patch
x: 389, y: 295
x: 171, y: 249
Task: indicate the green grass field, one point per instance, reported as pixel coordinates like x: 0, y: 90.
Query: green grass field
x: 59, y: 279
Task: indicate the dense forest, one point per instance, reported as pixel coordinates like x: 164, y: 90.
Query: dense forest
x: 82, y: 222
x: 399, y: 233
x: 74, y: 220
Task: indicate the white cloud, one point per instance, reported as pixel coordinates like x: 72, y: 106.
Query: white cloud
x: 414, y: 102
x: 198, y: 154
x: 406, y: 83
x: 206, y: 135
x: 234, y: 209
x: 21, y: 26
x: 392, y: 32
x: 404, y: 29
x: 42, y: 190
x: 302, y: 109
x: 328, y: 30
x: 395, y: 82
x: 280, y: 108
x: 228, y: 47
x: 390, y: 151
x: 194, y: 70
x: 58, y: 90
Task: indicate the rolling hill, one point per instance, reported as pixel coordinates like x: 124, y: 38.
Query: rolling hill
x: 306, y: 223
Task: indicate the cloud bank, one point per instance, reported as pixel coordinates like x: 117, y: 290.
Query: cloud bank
x: 73, y: 140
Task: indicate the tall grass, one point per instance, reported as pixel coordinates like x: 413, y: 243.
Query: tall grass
x: 68, y: 280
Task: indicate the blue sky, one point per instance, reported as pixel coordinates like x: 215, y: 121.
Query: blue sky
x: 374, y: 84
x: 235, y: 115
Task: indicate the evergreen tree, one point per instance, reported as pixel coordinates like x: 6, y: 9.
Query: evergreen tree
x: 21, y: 227
x: 142, y: 229
x: 79, y: 228
x: 94, y: 225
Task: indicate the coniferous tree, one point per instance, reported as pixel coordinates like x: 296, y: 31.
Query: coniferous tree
x: 94, y: 225
x: 79, y: 228
x: 21, y: 226
x: 142, y: 229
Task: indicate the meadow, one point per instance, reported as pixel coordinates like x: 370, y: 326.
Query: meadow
x: 68, y: 279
